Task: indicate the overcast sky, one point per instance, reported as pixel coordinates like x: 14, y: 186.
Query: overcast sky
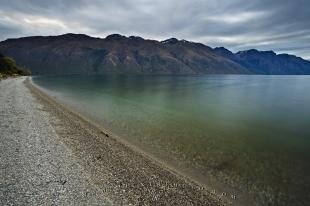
x: 279, y: 25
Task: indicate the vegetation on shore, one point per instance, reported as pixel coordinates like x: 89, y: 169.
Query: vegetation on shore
x: 8, y: 68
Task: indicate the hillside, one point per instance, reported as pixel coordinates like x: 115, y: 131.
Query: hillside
x: 82, y: 54
x: 267, y: 62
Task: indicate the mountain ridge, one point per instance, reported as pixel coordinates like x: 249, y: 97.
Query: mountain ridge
x: 82, y: 54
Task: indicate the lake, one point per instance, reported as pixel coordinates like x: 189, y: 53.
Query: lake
x: 245, y: 137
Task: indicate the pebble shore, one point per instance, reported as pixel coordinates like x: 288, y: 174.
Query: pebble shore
x: 53, y: 156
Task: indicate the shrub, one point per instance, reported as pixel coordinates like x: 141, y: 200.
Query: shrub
x: 8, y: 67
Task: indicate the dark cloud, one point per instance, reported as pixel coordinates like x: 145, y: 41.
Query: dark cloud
x: 281, y: 25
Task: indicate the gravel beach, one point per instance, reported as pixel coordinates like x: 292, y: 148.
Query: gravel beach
x: 52, y: 156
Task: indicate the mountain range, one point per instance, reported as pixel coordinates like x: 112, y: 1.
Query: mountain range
x: 82, y: 54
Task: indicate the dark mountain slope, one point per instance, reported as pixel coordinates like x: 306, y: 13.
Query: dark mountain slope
x: 201, y: 58
x: 267, y: 62
x: 75, y: 53
x: 82, y: 54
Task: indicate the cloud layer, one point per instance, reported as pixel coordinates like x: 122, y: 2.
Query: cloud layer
x: 279, y: 25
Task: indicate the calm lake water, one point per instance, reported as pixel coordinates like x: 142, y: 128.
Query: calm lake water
x: 247, y: 137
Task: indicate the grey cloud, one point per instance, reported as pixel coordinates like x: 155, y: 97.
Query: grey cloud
x: 7, y: 31
x: 238, y: 24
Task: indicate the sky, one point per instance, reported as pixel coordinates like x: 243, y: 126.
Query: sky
x: 279, y: 25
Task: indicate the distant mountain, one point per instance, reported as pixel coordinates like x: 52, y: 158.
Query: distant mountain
x: 82, y: 54
x: 267, y: 62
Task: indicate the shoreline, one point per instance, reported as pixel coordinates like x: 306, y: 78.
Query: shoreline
x: 133, y: 175
x: 36, y: 167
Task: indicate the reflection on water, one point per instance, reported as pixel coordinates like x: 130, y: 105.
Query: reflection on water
x: 245, y: 135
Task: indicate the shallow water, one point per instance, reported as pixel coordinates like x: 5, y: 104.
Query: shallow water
x: 246, y: 137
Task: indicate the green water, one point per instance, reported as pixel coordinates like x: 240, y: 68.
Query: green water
x: 247, y: 137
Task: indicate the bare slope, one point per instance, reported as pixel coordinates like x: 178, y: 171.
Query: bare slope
x: 74, y: 53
